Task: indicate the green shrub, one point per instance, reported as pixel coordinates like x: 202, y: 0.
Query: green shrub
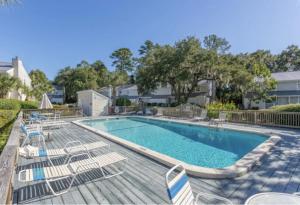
x: 123, y: 102
x: 29, y: 104
x: 7, y: 118
x: 286, y: 108
x: 9, y: 104
x: 213, y: 109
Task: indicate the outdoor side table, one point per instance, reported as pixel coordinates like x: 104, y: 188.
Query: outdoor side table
x: 273, y: 198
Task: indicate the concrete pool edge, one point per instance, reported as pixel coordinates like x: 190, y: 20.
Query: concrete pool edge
x: 240, y: 168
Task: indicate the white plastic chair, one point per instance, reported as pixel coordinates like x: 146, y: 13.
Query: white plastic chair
x: 180, y: 191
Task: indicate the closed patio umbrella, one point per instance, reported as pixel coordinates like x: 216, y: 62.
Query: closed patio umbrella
x: 45, y: 103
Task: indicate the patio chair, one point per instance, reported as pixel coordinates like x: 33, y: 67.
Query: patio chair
x: 202, y: 116
x: 73, y: 169
x: 71, y: 148
x: 31, y: 132
x: 180, y: 191
x: 221, y: 120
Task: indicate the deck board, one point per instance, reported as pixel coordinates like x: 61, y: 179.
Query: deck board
x: 143, y: 181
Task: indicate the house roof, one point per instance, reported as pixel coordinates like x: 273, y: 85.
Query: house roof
x: 4, y: 66
x: 286, y: 76
x: 92, y: 91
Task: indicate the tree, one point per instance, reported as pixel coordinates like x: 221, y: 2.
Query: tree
x: 144, y: 49
x: 266, y: 58
x: 76, y: 79
x: 217, y: 44
x: 7, y: 83
x: 117, y: 78
x: 123, y: 60
x: 182, y: 66
x: 83, y: 76
x: 289, y: 59
x: 102, y: 73
x: 39, y: 83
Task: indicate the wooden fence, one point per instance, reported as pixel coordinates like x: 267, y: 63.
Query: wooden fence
x: 267, y: 118
x: 64, y: 112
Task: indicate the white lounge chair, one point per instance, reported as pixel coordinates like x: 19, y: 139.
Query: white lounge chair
x: 71, y: 148
x: 180, y: 191
x: 48, y: 124
x: 220, y: 120
x: 202, y: 116
x: 72, y: 169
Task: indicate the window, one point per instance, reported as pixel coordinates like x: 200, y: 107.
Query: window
x: 282, y: 100
x: 294, y: 99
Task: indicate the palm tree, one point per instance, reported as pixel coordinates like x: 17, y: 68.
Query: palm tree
x: 7, y: 83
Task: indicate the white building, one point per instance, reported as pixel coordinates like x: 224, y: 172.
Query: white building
x: 57, y: 96
x: 93, y: 103
x: 16, y: 69
x: 163, y: 94
x: 287, y: 91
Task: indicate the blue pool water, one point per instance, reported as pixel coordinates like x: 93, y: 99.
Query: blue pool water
x: 197, y: 145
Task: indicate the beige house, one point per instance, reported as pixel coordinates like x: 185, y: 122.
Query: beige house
x: 163, y: 94
x: 16, y: 69
x: 286, y: 92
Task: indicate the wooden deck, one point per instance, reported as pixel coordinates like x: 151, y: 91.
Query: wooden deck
x: 144, y: 179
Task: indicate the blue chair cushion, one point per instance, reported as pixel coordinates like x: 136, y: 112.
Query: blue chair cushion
x: 172, y: 192
x: 38, y: 174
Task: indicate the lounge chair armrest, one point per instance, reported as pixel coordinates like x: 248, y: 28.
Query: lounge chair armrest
x: 201, y: 194
x: 173, y: 169
x: 72, y: 144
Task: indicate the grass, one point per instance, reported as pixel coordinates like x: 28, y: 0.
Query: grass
x: 7, y: 118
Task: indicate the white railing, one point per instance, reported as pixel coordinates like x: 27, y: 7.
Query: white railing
x: 267, y: 118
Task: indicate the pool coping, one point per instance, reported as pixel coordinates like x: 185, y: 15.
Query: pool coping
x: 241, y: 167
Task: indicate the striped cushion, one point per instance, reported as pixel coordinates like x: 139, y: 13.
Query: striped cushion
x: 38, y: 174
x: 42, y: 153
x: 177, y: 186
x: 180, y: 191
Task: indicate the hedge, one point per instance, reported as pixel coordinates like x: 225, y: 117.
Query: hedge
x: 29, y: 104
x: 286, y: 108
x: 10, y: 104
x: 9, y: 109
x: 213, y: 109
x: 7, y: 118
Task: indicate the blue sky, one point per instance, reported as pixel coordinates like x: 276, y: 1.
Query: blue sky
x: 52, y: 34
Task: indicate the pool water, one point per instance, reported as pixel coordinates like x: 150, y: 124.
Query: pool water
x: 196, y: 145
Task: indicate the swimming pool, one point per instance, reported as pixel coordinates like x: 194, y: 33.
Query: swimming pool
x: 195, y: 145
